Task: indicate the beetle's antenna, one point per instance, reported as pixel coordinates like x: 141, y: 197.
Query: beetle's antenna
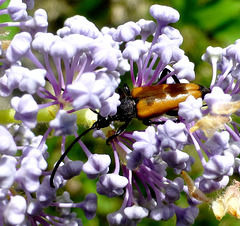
x: 68, y: 150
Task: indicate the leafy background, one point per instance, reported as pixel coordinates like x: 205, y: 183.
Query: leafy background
x: 202, y: 23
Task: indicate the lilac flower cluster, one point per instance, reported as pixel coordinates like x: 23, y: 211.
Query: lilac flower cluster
x: 80, y: 68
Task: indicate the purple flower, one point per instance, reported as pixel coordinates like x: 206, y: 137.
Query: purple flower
x: 37, y: 23
x: 172, y: 135
x: 43, y: 42
x: 8, y: 145
x: 186, y: 216
x: 190, y: 109
x: 111, y: 185
x: 64, y: 124
x: 126, y: 32
x: 32, y: 80
x: 86, y: 91
x: 162, y: 212
x: 184, y: 69
x: 89, y: 205
x: 208, y: 186
x: 104, y: 55
x: 65, y: 53
x: 87, y: 28
x: 175, y: 35
x: 4, y: 90
x: 26, y: 110
x: 34, y: 207
x: 14, y: 76
x: 175, y: 159
x: 219, y: 166
x: 173, y: 190
x: 146, y: 142
x: 136, y: 213
x: 32, y: 152
x: 14, y: 214
x: 134, y: 159
x: 70, y: 169
x: 164, y: 14
x: 118, y: 218
x: 45, y: 193
x: 216, y: 96
x: 134, y: 50
x: 7, y: 171
x: 213, y: 54
x: 109, y: 106
x: 147, y: 28
x: 96, y: 164
x: 19, y: 47
x: 167, y: 50
x: 17, y: 10
x: 218, y: 143
x: 28, y: 174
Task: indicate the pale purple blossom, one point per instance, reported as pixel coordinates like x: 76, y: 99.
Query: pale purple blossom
x: 64, y: 124
x: 167, y: 50
x: 96, y: 164
x: 126, y: 32
x: 146, y: 142
x: 7, y: 171
x: 14, y: 76
x: 20, y: 45
x: 8, y: 146
x: 136, y: 213
x: 32, y: 80
x: 134, y: 50
x: 219, y: 166
x: 70, y: 169
x: 171, y: 135
x: 164, y: 14
x: 17, y: 10
x: 14, y: 213
x: 111, y: 185
x: 190, y: 109
x: 162, y: 212
x: 28, y: 174
x: 147, y: 28
x: 86, y: 91
x: 87, y: 28
x: 26, y: 110
x: 184, y: 69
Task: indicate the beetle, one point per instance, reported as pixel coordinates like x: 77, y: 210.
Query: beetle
x: 142, y: 103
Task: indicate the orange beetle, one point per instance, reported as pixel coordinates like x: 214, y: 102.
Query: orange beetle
x: 159, y: 99
x: 142, y: 103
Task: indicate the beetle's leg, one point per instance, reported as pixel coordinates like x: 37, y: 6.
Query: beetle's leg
x: 94, y: 111
x: 165, y: 72
x: 175, y: 78
x: 173, y: 112
x: 120, y: 130
x: 126, y: 90
x: 149, y: 122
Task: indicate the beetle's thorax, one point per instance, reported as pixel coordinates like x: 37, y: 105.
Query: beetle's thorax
x: 126, y: 110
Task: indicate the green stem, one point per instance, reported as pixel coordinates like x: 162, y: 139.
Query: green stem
x: 85, y: 117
